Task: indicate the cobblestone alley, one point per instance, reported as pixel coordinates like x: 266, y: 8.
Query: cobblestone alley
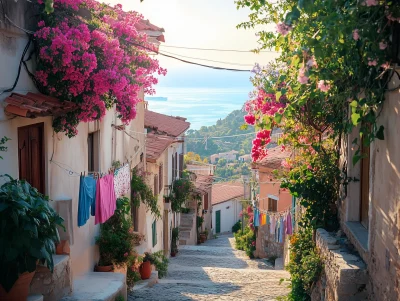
x: 216, y: 271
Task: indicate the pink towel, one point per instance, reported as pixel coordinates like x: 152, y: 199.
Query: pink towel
x: 289, y: 226
x: 106, y: 201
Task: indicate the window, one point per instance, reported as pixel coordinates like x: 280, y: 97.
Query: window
x: 93, y: 151
x: 272, y: 205
x: 154, y: 233
x: 173, y: 167
x: 155, y: 185
x: 176, y: 165
x: 160, y: 177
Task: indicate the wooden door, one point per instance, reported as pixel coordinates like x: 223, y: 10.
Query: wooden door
x: 31, y: 155
x: 218, y: 221
x: 364, y: 193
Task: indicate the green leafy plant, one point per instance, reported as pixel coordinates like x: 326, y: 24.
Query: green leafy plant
x: 200, y: 221
x: 181, y: 190
x: 141, y: 192
x: 116, y: 239
x: 246, y: 241
x: 2, y: 147
x: 159, y: 261
x: 132, y: 273
x: 185, y: 210
x: 174, y: 239
x: 28, y: 230
x: 237, y: 226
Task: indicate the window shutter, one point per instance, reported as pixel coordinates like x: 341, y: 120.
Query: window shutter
x: 154, y: 233
x: 156, y: 184
x: 176, y: 164
x: 173, y: 167
x: 160, y: 177
x: 206, y: 201
x: 180, y: 165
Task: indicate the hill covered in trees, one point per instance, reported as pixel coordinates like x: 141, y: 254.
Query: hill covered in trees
x: 200, y: 141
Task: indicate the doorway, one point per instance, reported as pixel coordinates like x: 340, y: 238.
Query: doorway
x: 31, y: 155
x: 218, y: 221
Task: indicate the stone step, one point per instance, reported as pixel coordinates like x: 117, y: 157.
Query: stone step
x: 184, y: 234
x: 146, y: 283
x: 53, y: 286
x: 35, y: 297
x: 98, y: 286
x: 182, y: 242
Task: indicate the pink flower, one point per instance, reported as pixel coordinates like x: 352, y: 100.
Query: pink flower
x: 382, y: 45
x: 323, y: 86
x: 386, y: 65
x: 286, y: 164
x: 126, y: 254
x: 371, y: 2
x: 312, y: 63
x: 250, y: 119
x: 356, y: 35
x: 41, y: 23
x: 372, y: 62
x: 253, y: 243
x: 283, y: 29
x: 302, y: 79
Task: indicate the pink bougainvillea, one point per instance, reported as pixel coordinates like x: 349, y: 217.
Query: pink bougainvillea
x: 97, y: 60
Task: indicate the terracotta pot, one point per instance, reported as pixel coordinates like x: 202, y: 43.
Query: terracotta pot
x: 62, y: 248
x: 20, y: 289
x: 173, y: 254
x: 202, y: 238
x: 145, y: 270
x: 104, y: 268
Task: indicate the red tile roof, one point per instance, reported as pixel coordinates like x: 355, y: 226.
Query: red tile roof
x: 164, y: 124
x: 35, y: 104
x: 203, y: 184
x: 156, y: 145
x: 145, y: 25
x: 223, y: 192
x: 274, y: 158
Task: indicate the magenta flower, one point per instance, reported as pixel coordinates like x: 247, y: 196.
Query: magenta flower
x: 382, y: 45
x: 356, y: 35
x: 250, y: 119
x: 323, y: 86
x: 372, y: 62
x: 283, y: 29
x: 126, y: 254
x: 371, y: 2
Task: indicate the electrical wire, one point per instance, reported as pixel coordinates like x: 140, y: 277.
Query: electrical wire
x: 213, y: 49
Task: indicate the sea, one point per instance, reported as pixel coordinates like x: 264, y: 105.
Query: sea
x: 201, y: 106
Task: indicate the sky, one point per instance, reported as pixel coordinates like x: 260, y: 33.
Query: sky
x: 201, y: 24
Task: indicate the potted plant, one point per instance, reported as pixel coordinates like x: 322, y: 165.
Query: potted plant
x: 174, y: 239
x: 145, y: 267
x: 206, y: 233
x: 116, y: 239
x: 202, y: 237
x: 158, y: 260
x: 28, y: 234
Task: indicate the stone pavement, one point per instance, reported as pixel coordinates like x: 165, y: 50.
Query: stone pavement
x: 216, y: 271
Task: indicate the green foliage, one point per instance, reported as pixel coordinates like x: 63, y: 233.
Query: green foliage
x: 141, y: 192
x: 199, y: 221
x: 246, y: 241
x: 2, y: 147
x: 236, y: 227
x: 228, y: 126
x: 116, y: 240
x: 232, y: 170
x: 159, y: 260
x: 28, y: 230
x: 174, y: 239
x: 305, y: 265
x: 120, y: 298
x: 181, y: 190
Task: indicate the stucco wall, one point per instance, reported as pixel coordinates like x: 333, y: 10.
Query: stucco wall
x: 268, y: 187
x: 229, y: 216
x: 379, y: 245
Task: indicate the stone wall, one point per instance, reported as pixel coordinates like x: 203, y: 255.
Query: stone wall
x: 345, y: 275
x: 266, y: 246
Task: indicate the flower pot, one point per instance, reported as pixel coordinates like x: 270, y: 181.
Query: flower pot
x: 104, y: 268
x: 62, y: 248
x: 173, y: 254
x: 20, y: 289
x: 202, y: 238
x: 145, y: 270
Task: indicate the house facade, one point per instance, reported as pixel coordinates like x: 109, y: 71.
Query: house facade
x: 227, y: 201
x: 53, y: 163
x: 228, y: 156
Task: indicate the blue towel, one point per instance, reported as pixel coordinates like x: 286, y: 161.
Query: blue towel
x: 256, y: 219
x: 87, y: 199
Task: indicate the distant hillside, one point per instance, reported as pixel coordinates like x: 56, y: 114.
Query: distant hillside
x: 228, y: 126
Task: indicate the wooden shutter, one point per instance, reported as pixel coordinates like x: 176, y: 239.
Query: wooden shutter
x: 160, y: 177
x: 176, y: 164
x: 172, y: 166
x: 154, y: 233
x: 31, y: 155
x: 206, y: 201
x: 272, y: 205
x: 155, y: 185
x: 180, y: 165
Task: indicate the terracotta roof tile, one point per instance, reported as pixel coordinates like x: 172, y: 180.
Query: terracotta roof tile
x: 274, y: 158
x: 223, y: 192
x: 35, y: 104
x: 169, y: 125
x: 156, y: 145
x: 203, y: 184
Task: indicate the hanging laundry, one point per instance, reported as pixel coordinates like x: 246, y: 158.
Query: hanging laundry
x: 87, y: 199
x: 272, y: 226
x: 282, y: 230
x: 289, y: 226
x: 268, y: 219
x: 263, y: 219
x: 122, y: 181
x: 256, y: 221
x: 106, y: 201
x: 277, y: 230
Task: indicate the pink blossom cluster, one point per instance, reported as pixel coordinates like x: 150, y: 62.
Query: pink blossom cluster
x: 323, y: 85
x: 283, y: 29
x: 95, y: 66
